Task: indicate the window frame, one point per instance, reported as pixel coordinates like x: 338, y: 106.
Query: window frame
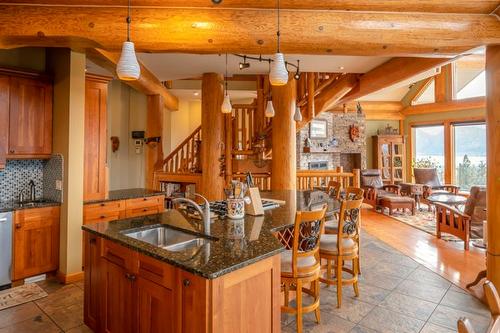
x: 449, y: 148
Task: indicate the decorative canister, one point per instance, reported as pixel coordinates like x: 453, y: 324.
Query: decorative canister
x: 235, y: 208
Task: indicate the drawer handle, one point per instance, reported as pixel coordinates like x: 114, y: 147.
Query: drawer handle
x: 103, y: 204
x: 186, y: 283
x: 129, y: 276
x: 93, y: 241
x: 102, y: 216
x: 145, y: 210
x: 12, y: 151
x: 145, y: 199
x: 18, y: 225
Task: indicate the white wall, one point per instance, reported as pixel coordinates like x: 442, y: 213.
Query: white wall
x: 127, y: 110
x: 178, y: 125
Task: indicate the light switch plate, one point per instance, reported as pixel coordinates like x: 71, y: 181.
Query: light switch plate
x: 59, y: 185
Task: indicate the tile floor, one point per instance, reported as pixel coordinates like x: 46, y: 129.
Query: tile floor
x: 397, y: 295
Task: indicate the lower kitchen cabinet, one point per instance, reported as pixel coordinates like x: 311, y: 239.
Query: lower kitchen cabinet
x: 36, y: 242
x: 126, y: 291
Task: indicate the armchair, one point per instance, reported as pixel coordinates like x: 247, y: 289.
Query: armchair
x: 429, y: 178
x: 374, y: 188
x: 463, y: 224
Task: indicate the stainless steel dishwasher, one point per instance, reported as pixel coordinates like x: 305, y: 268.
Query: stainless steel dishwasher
x: 5, y: 249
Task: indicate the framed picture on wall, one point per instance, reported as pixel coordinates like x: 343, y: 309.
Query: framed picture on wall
x: 318, y: 129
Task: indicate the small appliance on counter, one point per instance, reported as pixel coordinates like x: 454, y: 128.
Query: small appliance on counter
x: 5, y: 249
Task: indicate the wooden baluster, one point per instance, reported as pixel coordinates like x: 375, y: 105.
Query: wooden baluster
x: 244, y: 128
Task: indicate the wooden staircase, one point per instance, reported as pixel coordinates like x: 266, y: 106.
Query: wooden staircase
x: 249, y: 132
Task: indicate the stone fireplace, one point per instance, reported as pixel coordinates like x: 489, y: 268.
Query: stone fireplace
x: 337, y: 149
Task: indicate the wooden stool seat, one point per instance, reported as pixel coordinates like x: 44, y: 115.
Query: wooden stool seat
x: 301, y: 265
x: 331, y: 227
x: 337, y: 249
x: 302, y: 262
x: 328, y: 245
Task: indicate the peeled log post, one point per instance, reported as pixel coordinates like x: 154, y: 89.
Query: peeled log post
x: 284, y: 162
x: 212, y: 129
x: 493, y: 158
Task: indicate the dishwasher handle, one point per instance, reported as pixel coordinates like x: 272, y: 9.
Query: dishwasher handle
x: 3, y: 220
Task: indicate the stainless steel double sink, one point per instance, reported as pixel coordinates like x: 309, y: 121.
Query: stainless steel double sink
x: 169, y: 239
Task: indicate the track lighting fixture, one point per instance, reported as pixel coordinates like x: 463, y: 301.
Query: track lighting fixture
x: 244, y: 64
x: 226, y: 104
x: 128, y: 68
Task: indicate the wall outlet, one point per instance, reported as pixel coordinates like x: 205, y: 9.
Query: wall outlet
x: 59, y: 185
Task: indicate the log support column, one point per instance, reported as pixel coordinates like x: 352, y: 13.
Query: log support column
x: 493, y: 148
x: 284, y: 161
x: 212, y: 132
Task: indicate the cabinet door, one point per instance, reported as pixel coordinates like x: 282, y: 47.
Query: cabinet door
x: 30, y: 129
x: 36, y: 241
x: 117, y: 309
x: 192, y: 303
x: 155, y: 306
x: 4, y: 118
x: 93, y: 272
x: 94, y: 177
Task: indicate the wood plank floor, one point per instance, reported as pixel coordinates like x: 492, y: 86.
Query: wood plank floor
x: 447, y: 259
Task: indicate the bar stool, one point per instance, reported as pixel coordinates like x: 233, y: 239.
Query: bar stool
x: 334, y: 188
x: 336, y: 249
x: 301, y: 265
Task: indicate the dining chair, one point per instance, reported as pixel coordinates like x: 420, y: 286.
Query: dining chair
x: 334, y: 189
x: 301, y: 266
x: 493, y: 300
x: 337, y: 249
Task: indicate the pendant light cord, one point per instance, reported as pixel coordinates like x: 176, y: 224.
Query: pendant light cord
x: 226, y: 76
x: 128, y: 22
x: 278, y: 33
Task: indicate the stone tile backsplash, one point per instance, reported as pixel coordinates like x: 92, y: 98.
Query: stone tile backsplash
x: 16, y: 177
x: 18, y: 173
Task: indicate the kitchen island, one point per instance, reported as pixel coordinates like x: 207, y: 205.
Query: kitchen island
x: 229, y: 282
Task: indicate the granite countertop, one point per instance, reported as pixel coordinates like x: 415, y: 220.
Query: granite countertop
x: 9, y: 206
x: 130, y: 193
x: 233, y: 244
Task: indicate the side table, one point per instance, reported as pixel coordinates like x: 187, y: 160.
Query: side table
x: 412, y: 190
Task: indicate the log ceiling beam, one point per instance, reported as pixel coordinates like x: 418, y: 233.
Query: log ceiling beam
x: 390, y: 73
x: 205, y: 30
x: 334, y: 92
x: 374, y: 110
x: 147, y: 83
x: 431, y: 6
x: 447, y: 106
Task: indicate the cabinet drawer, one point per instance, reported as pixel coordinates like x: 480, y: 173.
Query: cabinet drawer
x: 156, y: 271
x: 144, y: 202
x: 120, y: 255
x: 106, y: 209
x: 141, y: 211
x: 108, y: 217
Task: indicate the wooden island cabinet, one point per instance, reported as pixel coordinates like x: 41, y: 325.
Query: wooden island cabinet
x: 127, y: 292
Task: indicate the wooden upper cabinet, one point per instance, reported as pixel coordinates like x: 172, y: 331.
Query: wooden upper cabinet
x: 30, y: 123
x: 95, y: 166
x: 36, y: 242
x: 4, y: 118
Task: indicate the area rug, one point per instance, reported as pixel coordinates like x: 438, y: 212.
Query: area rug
x: 422, y: 220
x: 20, y: 295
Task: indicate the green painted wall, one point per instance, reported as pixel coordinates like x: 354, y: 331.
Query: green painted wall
x: 371, y: 129
x: 27, y: 57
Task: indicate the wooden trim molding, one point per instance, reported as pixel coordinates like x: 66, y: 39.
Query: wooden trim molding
x: 69, y: 278
x: 447, y: 106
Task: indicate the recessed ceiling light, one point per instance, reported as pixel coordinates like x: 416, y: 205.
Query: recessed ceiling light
x: 196, y: 93
x: 341, y: 67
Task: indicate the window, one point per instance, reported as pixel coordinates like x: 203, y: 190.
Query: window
x: 469, y: 154
x: 429, y: 148
x: 469, y: 77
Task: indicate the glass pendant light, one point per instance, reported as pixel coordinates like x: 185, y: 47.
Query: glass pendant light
x: 226, y: 104
x: 298, y: 115
x: 278, y: 75
x: 269, y: 113
x: 128, y: 68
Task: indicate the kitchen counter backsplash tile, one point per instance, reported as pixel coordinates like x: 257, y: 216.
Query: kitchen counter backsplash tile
x: 52, y: 172
x: 16, y: 177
